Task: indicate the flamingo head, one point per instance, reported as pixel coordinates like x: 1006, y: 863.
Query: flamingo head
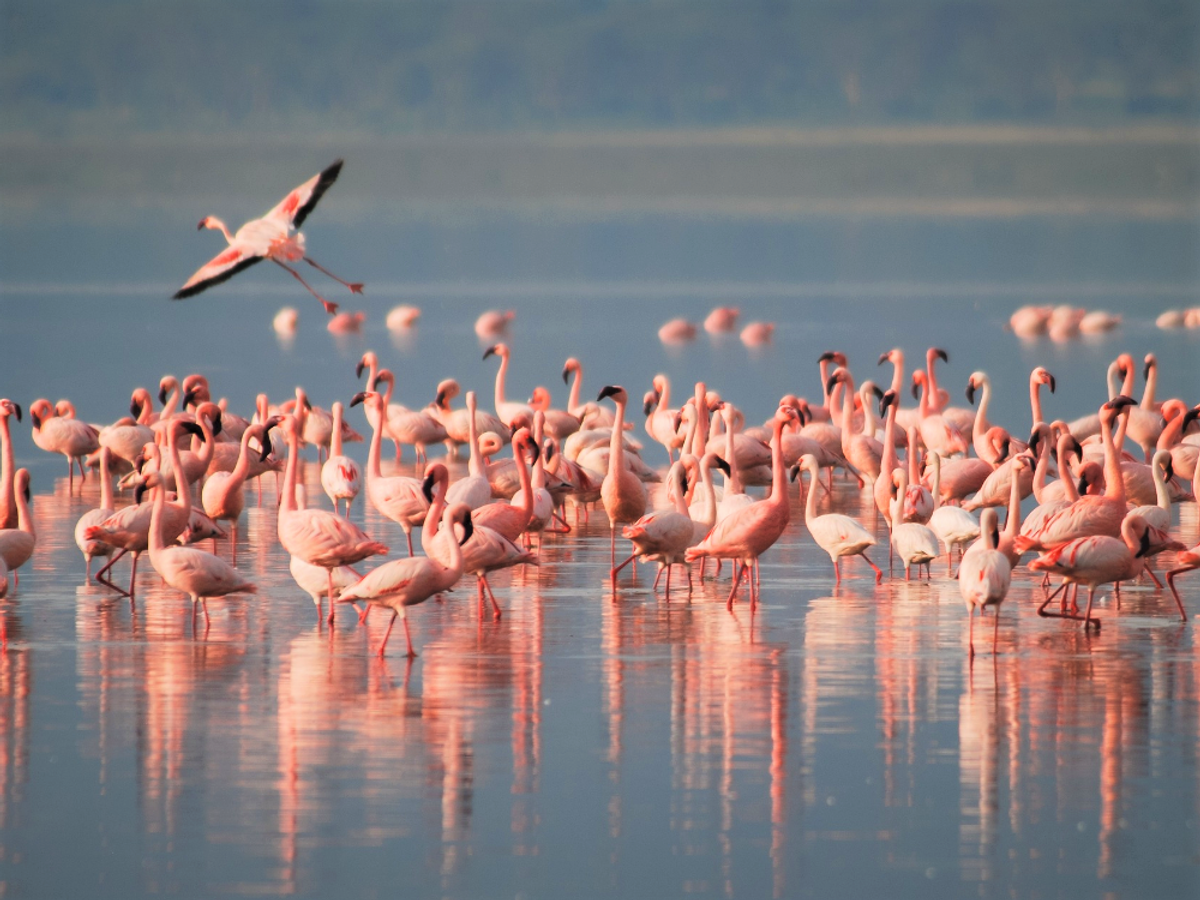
x: 435, y: 473
x: 500, y: 350
x: 1151, y: 362
x: 540, y: 398
x: 1041, y: 376
x: 373, y: 397
x: 837, y: 357
x: 936, y: 353
x: 39, y: 411
x: 447, y: 390
x: 571, y: 365
x: 888, y: 399
x: 10, y: 408
x: 615, y: 391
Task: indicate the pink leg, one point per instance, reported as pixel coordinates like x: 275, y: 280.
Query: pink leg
x: 616, y: 569
x: 1171, y: 582
x: 412, y: 653
x: 408, y: 535
x: 878, y: 571
x: 387, y: 634
x: 356, y: 287
x: 737, y: 579
x: 330, y: 308
x: 971, y: 632
x: 995, y: 630
x: 491, y: 596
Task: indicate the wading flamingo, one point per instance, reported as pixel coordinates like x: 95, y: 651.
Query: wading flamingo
x: 984, y: 576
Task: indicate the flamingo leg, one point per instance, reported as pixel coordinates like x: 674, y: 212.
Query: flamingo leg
x: 1149, y: 571
x: 971, y: 632
x: 837, y: 571
x: 387, y: 634
x: 100, y: 575
x: 330, y: 308
x: 878, y: 571
x: 356, y: 287
x: 995, y: 630
x: 491, y: 596
x: 1171, y: 582
x: 737, y: 579
x: 616, y: 569
x: 1042, y: 609
x: 329, y: 574
x: 412, y: 653
x: 1087, y: 614
x: 658, y: 578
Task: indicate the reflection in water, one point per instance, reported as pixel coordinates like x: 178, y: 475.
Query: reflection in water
x: 609, y: 742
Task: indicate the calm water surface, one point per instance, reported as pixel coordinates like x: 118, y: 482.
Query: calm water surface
x: 590, y: 743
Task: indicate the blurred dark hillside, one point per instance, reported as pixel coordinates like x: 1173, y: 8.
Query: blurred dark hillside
x: 284, y: 66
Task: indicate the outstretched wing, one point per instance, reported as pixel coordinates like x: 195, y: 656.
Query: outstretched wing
x: 295, y: 207
x: 220, y: 268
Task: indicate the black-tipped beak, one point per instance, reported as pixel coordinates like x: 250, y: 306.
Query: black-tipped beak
x: 827, y: 356
x: 566, y: 375
x: 439, y: 399
x: 941, y: 354
x: 648, y: 406
x: 1053, y: 383
x: 1188, y: 417
x: 139, y: 492
x: 200, y: 226
x: 916, y: 394
x: 468, y: 529
x: 971, y: 392
x: 490, y: 351
x: 1035, y: 438
x: 266, y: 447
x: 883, y: 357
x: 135, y: 408
x: 536, y: 451
x: 216, y: 423
x: 427, y: 488
x: 1169, y: 469
x: 358, y: 370
x: 189, y: 399
x: 1083, y: 484
x: 794, y: 473
x: 1145, y: 547
x: 831, y: 381
x: 1005, y: 448
x: 17, y: 406
x: 677, y: 421
x: 1147, y: 367
x: 162, y: 394
x: 888, y: 398
x: 362, y: 395
x: 723, y: 466
x: 1077, y: 447
x: 307, y: 404
x: 36, y: 419
x: 995, y: 537
x: 191, y: 428
x: 607, y: 391
x: 1120, y: 402
x: 877, y: 391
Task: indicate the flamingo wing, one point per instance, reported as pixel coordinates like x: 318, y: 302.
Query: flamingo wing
x: 293, y: 209
x: 222, y: 267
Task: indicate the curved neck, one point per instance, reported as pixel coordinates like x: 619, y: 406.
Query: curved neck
x: 778, y: 472
x: 890, y: 459
x: 1114, y: 487
x: 1012, y: 524
x: 242, y: 468
x: 1127, y: 384
x: 433, y: 518
x: 183, y: 490
x: 576, y: 385
x: 701, y: 434
x: 810, y: 502
x: 288, y: 501
x: 156, y: 540
x: 616, y: 443
x: 823, y: 365
x: 24, y: 514
x: 1064, y: 472
x: 501, y: 374
x: 898, y: 373
x: 217, y: 225
x: 1162, y: 498
x: 168, y: 409
x: 932, y: 386
x: 664, y: 397
x: 451, y: 573
x: 733, y: 481
x: 106, y: 491
x: 373, y: 453
x: 935, y: 462
x: 982, y: 424
x: 1035, y: 401
x: 8, y: 506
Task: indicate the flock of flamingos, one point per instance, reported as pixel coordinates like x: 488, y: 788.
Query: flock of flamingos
x: 1102, y: 514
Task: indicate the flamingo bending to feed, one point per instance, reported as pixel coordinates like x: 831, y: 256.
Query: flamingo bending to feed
x: 984, y: 577
x: 340, y: 476
x: 197, y: 573
x: 664, y: 535
x: 838, y: 535
x: 402, y: 583
x: 94, y: 547
x: 746, y: 534
x: 317, y: 536
x: 269, y: 237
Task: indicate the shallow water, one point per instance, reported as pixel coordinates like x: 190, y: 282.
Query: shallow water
x: 592, y: 743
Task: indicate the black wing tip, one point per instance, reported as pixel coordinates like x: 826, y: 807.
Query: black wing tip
x: 185, y: 292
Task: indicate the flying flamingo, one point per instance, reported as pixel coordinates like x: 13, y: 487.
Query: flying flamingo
x: 340, y: 476
x: 984, y: 576
x: 402, y: 583
x: 317, y: 536
x: 197, y: 573
x: 746, y: 534
x: 269, y: 237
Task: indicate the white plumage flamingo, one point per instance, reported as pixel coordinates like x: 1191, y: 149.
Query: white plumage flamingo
x: 984, y: 577
x: 837, y: 534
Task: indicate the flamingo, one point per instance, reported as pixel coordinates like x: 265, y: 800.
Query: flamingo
x: 677, y: 331
x: 398, y: 497
x: 269, y: 237
x: 197, y: 573
x: 511, y: 519
x: 722, y: 318
x: 223, y: 495
x: 8, y: 496
x: 506, y: 410
x: 542, y: 504
x: 93, y: 548
x: 664, y: 535
x: 1030, y: 321
x: 914, y: 543
x: 984, y: 576
x: 417, y: 427
x: 285, y: 322
x: 560, y: 424
x: 17, y: 544
x: 474, y: 490
x: 863, y: 450
x: 621, y: 492
x: 492, y: 323
x: 937, y: 431
x: 455, y: 420
x: 69, y: 436
x: 660, y: 418
x: 317, y: 536
x: 314, y: 580
x: 838, y: 535
x: 953, y: 525
x: 746, y: 534
x: 758, y: 334
x: 402, y: 317
x: 402, y: 583
x: 484, y: 551
x: 1098, y: 559
x: 340, y: 476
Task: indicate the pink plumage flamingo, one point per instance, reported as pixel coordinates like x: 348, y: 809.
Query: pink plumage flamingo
x: 197, y: 573
x: 340, y: 476
x: 511, y: 519
x: 664, y: 535
x: 621, y: 492
x: 67, y: 435
x: 94, y: 548
x: 8, y: 496
x: 748, y: 533
x: 507, y: 410
x: 402, y: 583
x: 17, y: 544
x: 223, y: 494
x: 722, y: 318
x: 398, y: 497
x: 984, y: 577
x: 317, y: 536
x: 270, y: 237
